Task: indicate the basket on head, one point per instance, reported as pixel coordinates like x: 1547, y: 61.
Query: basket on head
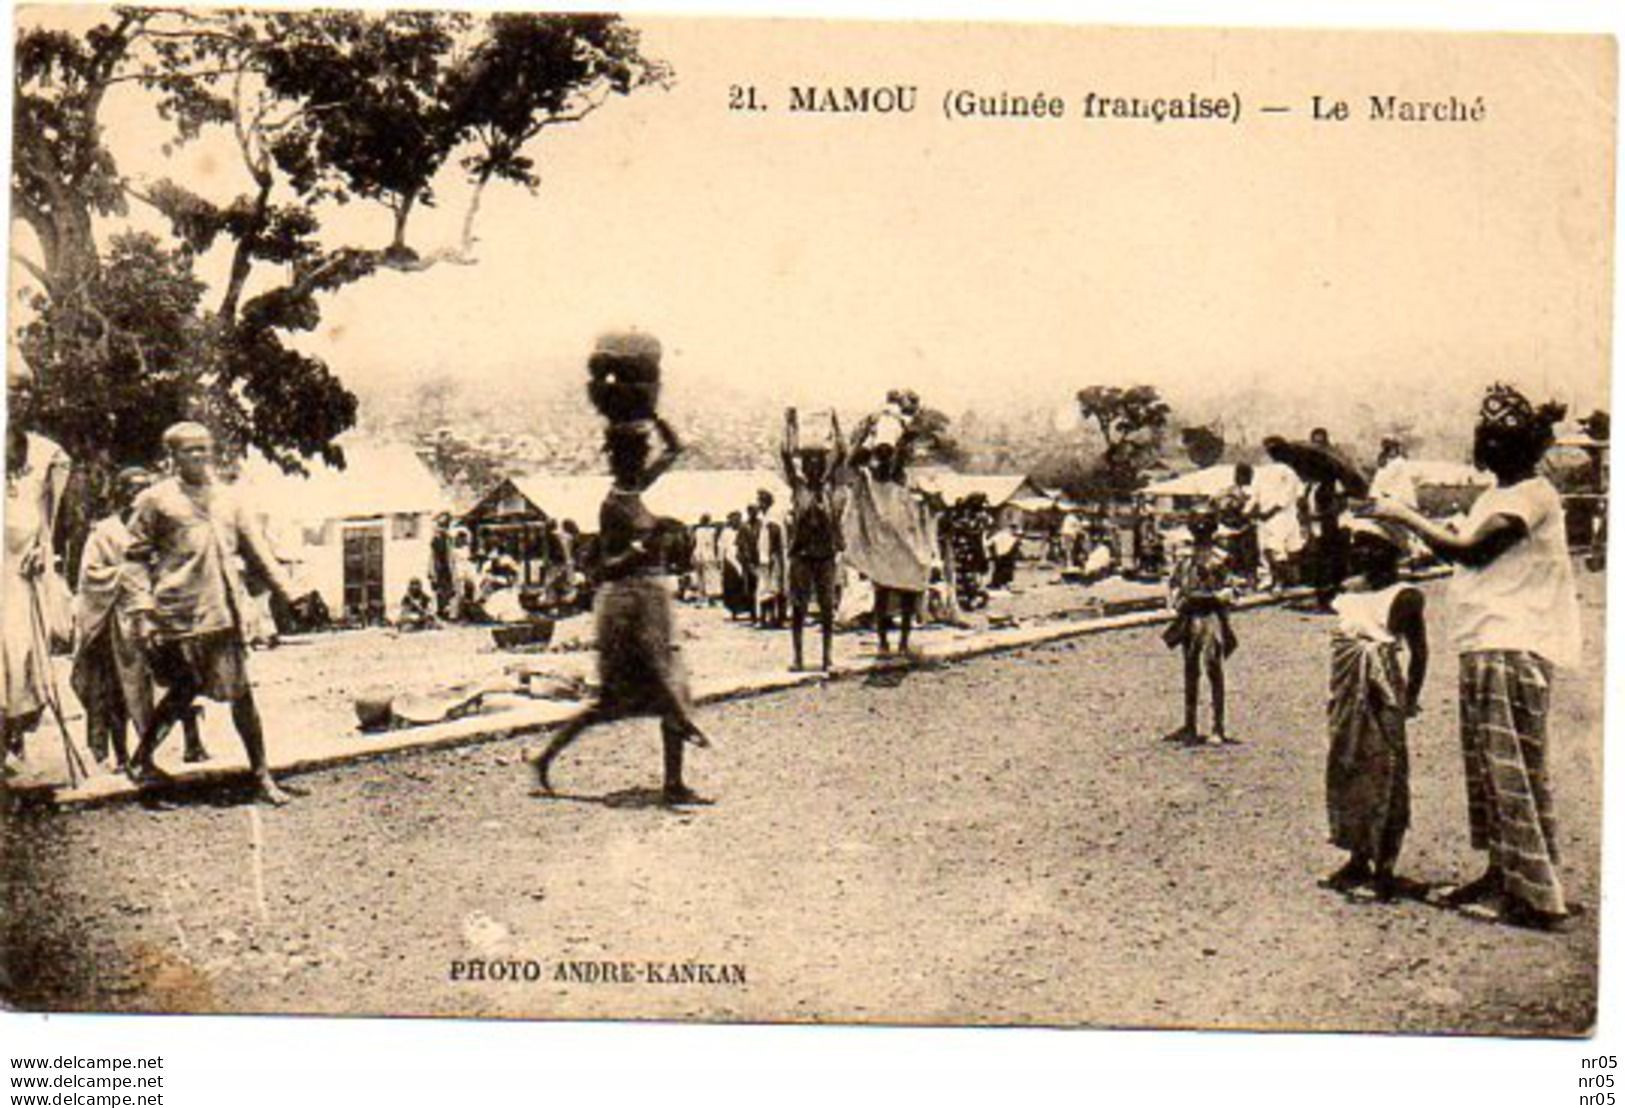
x: 815, y: 430
x: 624, y: 376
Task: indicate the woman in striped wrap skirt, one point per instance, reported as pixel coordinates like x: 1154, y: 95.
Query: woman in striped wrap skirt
x: 1516, y: 617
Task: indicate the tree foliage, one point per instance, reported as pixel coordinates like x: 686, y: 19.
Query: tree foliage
x: 1080, y: 479
x: 113, y: 365
x: 934, y: 441
x: 1131, y: 422
x: 1204, y: 445
x: 323, y: 108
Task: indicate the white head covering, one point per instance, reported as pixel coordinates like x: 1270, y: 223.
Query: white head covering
x: 180, y: 434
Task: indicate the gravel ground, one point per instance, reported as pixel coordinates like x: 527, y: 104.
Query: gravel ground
x: 1003, y: 841
x: 307, y: 687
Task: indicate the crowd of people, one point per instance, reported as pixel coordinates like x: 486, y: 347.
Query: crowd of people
x: 855, y: 544
x: 167, y: 585
x: 852, y: 518
x: 466, y: 585
x: 1275, y: 534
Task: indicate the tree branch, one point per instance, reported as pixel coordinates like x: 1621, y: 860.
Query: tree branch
x: 257, y: 169
x: 451, y: 255
x: 104, y: 344
x: 137, y: 194
x: 43, y: 226
x: 292, y: 117
x: 147, y: 77
x: 35, y: 270
x: 141, y: 356
x: 186, y: 15
x: 399, y: 259
x: 403, y: 212
x: 590, y: 104
x: 196, y: 34
x: 242, y: 258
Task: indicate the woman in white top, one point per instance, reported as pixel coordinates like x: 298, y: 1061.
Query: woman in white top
x: 1515, y: 616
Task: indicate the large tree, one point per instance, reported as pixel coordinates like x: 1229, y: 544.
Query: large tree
x: 322, y: 109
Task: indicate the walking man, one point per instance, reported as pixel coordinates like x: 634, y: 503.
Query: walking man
x: 186, y: 532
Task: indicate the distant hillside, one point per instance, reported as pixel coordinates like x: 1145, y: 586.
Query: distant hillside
x: 539, y: 421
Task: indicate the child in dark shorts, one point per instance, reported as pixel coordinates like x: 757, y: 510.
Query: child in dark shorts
x: 814, y: 539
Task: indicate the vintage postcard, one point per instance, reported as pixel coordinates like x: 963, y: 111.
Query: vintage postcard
x: 548, y: 516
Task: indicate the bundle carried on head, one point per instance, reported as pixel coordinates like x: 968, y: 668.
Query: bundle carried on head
x: 624, y: 376
x: 815, y: 434
x: 1513, y: 433
x: 1507, y: 410
x: 906, y: 400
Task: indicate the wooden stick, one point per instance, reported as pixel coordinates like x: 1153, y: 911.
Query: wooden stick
x: 77, y: 767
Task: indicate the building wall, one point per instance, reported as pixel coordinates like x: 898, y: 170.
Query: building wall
x: 404, y: 559
x: 320, y: 553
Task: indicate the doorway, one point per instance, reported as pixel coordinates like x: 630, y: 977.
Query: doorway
x: 364, y: 574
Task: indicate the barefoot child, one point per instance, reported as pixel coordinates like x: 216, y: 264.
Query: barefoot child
x: 1516, y: 616
x: 1379, y: 662
x: 1200, y: 598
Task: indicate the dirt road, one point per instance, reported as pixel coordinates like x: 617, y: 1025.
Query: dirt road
x: 1003, y: 841
x: 307, y: 688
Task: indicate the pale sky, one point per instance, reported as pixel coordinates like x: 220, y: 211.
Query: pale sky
x: 824, y: 259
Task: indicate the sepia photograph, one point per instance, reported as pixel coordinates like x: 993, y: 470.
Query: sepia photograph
x: 535, y: 516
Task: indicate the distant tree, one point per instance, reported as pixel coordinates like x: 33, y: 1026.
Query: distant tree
x: 1597, y: 425
x: 1079, y: 477
x: 1203, y: 445
x: 1131, y: 421
x: 468, y: 469
x: 934, y: 441
x: 324, y: 108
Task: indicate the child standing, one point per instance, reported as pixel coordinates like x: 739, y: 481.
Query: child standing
x: 1379, y: 663
x: 1199, y: 595
x: 814, y: 541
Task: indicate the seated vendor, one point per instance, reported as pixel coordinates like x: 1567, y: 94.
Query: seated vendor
x: 417, y: 607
